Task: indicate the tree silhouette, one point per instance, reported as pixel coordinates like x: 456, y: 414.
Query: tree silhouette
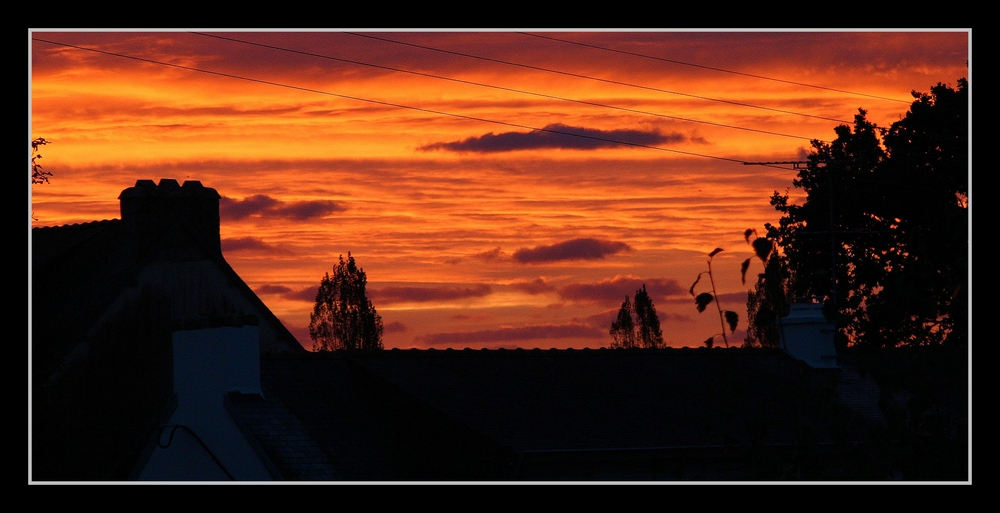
x: 883, y: 233
x: 768, y: 301
x: 344, y: 317
x: 637, y: 324
x: 623, y: 328
x: 647, y: 323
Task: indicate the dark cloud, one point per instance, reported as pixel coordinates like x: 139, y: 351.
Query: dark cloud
x: 394, y: 327
x: 264, y: 205
x: 536, y: 286
x: 267, y: 288
x: 424, y: 294
x: 507, y: 334
x: 249, y: 244
x: 301, y: 210
x: 491, y: 255
x: 230, y: 208
x: 615, y: 289
x: 575, y: 249
x: 602, y: 319
x: 306, y: 294
x: 557, y: 135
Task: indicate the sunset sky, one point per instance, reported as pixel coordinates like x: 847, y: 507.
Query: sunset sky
x: 500, y: 189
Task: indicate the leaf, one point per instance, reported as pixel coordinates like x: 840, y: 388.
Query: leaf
x: 691, y: 290
x: 703, y: 300
x: 732, y: 318
x: 743, y: 270
x: 708, y: 343
x: 746, y: 234
x: 763, y: 248
x: 715, y: 252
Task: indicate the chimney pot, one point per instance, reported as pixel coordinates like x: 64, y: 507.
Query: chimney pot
x: 149, y: 210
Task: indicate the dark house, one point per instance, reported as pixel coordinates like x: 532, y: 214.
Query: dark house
x: 153, y: 360
x: 106, y: 298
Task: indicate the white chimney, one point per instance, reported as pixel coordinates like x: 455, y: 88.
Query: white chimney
x: 808, y: 336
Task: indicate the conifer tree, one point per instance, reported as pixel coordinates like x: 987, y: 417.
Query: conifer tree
x: 344, y: 317
x: 637, y: 324
x: 647, y: 323
x: 623, y: 329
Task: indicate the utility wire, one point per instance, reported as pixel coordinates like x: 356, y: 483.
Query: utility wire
x: 587, y: 77
x: 170, y: 440
x: 722, y: 70
x: 389, y: 104
x: 509, y: 89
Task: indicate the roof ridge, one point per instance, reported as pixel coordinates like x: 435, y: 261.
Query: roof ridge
x: 85, y: 224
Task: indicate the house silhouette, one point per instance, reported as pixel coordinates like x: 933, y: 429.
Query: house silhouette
x: 152, y: 360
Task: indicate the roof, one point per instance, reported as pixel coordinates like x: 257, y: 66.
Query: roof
x: 515, y: 414
x: 79, y: 270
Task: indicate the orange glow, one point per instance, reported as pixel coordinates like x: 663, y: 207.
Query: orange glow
x: 436, y: 225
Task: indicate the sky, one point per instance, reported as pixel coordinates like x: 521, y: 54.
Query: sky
x: 499, y: 189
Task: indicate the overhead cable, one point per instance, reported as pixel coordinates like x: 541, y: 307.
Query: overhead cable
x: 502, y: 88
x: 598, y: 79
x: 389, y: 104
x: 722, y: 70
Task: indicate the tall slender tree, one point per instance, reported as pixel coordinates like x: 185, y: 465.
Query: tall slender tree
x: 623, y: 328
x: 637, y: 324
x: 647, y: 323
x: 344, y: 317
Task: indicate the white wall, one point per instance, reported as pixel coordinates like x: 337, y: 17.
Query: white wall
x: 208, y: 364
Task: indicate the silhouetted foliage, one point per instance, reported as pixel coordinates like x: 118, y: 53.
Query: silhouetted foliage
x: 702, y: 301
x: 37, y: 174
x: 344, y: 317
x: 641, y: 331
x: 732, y: 319
x: 647, y: 322
x: 769, y: 300
x: 896, y: 212
x: 623, y: 328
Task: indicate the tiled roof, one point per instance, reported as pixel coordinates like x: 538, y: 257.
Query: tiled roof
x: 284, y: 439
x: 371, y: 430
x: 432, y: 414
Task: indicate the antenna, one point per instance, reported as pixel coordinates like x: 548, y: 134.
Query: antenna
x: 794, y: 163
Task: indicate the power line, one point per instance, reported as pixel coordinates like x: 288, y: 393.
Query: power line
x: 388, y: 104
x: 587, y: 77
x: 509, y: 89
x: 722, y: 70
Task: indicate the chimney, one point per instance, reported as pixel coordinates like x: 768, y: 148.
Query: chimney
x: 150, y: 210
x: 808, y: 336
